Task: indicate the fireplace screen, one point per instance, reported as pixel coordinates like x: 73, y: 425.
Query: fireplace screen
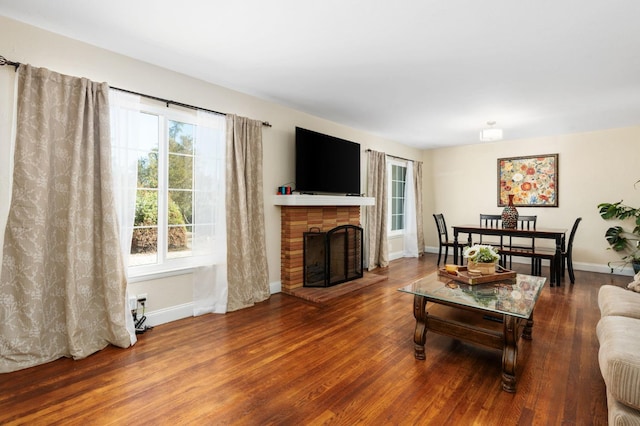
x: 332, y: 257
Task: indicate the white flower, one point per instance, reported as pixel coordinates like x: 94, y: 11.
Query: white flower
x: 517, y: 177
x: 481, y: 253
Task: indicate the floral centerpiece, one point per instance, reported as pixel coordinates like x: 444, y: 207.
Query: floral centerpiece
x: 481, y: 258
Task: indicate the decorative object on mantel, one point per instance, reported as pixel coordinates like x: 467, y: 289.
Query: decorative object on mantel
x: 510, y: 215
x: 285, y: 189
x: 481, y: 259
x: 533, y: 180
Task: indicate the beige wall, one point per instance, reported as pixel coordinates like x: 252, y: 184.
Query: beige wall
x: 594, y: 167
x: 23, y: 43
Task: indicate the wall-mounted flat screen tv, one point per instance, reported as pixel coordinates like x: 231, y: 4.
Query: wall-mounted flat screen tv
x: 326, y: 164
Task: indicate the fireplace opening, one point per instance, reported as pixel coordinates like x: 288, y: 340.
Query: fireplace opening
x: 332, y: 257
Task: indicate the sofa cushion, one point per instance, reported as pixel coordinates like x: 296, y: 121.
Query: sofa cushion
x: 619, y: 358
x: 614, y: 300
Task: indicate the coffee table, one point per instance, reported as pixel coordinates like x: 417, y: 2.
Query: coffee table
x: 495, y: 314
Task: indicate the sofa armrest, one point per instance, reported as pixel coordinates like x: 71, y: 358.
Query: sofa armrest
x: 618, y: 301
x: 619, y: 358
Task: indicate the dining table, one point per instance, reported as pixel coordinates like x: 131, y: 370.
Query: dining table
x: 555, y: 234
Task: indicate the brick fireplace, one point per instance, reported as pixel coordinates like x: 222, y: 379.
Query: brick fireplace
x: 300, y: 213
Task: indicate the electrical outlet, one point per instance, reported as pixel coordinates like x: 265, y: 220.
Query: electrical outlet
x: 142, y: 297
x: 133, y: 302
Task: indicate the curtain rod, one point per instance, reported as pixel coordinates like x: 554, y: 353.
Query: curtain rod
x: 167, y: 102
x: 392, y: 156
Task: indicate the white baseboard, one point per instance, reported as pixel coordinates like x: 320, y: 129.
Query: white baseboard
x: 275, y: 287
x: 172, y: 313
x: 396, y: 255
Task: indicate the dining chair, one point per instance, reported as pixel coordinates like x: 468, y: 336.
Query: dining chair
x: 443, y: 237
x: 567, y: 253
x: 491, y: 221
x: 523, y: 245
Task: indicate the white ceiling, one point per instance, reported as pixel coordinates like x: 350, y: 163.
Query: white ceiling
x: 426, y: 73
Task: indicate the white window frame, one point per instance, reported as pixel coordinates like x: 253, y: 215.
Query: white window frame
x: 165, y: 266
x: 390, y: 163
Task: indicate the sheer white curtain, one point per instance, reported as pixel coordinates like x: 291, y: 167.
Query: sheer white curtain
x: 210, y: 286
x: 6, y: 155
x: 126, y: 146
x: 417, y: 184
x: 410, y: 222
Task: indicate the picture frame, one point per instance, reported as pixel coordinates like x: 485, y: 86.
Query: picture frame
x: 532, y: 179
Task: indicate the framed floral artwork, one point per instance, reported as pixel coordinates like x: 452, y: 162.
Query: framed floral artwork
x: 533, y: 180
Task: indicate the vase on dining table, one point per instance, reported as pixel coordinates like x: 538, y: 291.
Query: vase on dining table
x: 509, y: 215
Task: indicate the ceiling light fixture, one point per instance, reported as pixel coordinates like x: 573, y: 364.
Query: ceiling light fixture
x: 491, y: 133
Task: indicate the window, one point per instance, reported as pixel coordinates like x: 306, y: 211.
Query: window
x: 396, y: 175
x: 180, y: 181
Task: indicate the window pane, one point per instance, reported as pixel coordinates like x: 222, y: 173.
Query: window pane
x: 148, y: 151
x: 397, y: 222
x: 180, y: 207
x: 144, y: 246
x: 179, y: 241
x: 144, y: 241
x: 146, y: 208
x: 181, y: 137
x: 180, y: 172
x: 202, y: 236
x: 148, y: 169
x: 397, y: 185
x: 399, y: 189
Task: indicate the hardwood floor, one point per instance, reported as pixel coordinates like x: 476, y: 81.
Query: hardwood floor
x: 286, y: 361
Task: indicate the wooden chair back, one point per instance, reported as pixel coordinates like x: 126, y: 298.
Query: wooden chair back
x: 443, y: 234
x: 491, y: 221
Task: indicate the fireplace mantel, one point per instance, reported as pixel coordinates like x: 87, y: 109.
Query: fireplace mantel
x: 322, y: 200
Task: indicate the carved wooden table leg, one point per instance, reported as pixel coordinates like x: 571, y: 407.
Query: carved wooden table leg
x: 526, y: 333
x: 420, y: 334
x: 509, y: 353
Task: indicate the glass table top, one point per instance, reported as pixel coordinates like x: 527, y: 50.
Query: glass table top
x: 515, y: 296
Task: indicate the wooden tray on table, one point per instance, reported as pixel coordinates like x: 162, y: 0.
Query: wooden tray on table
x: 464, y: 276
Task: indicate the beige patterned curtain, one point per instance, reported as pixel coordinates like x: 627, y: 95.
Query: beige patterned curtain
x: 377, y: 214
x: 247, y: 272
x: 62, y: 286
x: 417, y: 182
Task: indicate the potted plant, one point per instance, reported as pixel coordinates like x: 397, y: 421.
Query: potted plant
x: 619, y: 238
x: 481, y: 258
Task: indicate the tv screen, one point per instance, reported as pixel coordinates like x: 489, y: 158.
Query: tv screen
x: 326, y: 164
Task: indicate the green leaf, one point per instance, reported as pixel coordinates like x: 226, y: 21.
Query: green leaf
x: 615, y: 238
x: 608, y: 210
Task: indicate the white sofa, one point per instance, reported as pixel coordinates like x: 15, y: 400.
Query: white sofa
x: 618, y: 333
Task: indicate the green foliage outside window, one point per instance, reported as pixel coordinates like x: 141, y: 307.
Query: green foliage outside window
x: 180, y: 174
x: 145, y: 239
